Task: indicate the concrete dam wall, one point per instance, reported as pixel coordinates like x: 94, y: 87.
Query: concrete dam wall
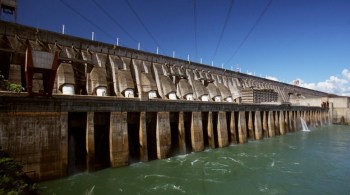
x: 104, y: 105
x: 59, y: 136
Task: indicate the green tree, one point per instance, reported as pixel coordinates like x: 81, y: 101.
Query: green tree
x: 12, y: 179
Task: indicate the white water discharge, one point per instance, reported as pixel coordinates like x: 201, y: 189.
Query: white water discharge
x: 304, y: 125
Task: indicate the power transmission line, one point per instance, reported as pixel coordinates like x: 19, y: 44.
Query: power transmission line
x: 195, y: 26
x: 113, y: 20
x: 223, y: 29
x: 86, y: 19
x: 250, y: 31
x: 143, y: 24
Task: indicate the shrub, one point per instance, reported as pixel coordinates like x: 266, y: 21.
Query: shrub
x: 6, y: 85
x: 12, y: 178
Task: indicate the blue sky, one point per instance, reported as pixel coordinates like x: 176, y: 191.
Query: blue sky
x: 285, y: 40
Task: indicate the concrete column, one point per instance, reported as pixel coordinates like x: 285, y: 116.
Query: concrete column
x: 313, y: 120
x: 222, y: 130
x: 242, y: 128
x: 64, y: 142
x: 298, y: 121
x: 277, y: 124
x: 197, y: 132
x: 264, y: 125
x: 15, y: 74
x: 163, y: 134
x: 182, y: 134
x: 327, y: 116
x: 323, y: 118
x: 250, y: 126
x: 282, y: 123
x: 118, y: 139
x: 233, y: 128
x: 211, y: 138
x: 331, y: 113
x: 286, y: 121
x: 258, y: 126
x: 291, y: 121
x: 295, y: 121
x: 306, y: 117
x: 320, y: 117
x: 271, y: 124
x: 143, y: 138
x: 90, y: 141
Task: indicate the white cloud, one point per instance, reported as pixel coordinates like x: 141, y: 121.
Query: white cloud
x: 272, y: 78
x: 335, y: 85
x: 346, y: 74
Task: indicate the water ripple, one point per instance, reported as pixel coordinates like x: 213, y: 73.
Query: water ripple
x: 167, y: 187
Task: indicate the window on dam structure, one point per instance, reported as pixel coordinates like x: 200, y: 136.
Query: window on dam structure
x: 76, y: 142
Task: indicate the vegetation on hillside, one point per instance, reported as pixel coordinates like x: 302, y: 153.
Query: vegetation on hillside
x: 12, y: 179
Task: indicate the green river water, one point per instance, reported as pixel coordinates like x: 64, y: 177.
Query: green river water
x: 315, y: 162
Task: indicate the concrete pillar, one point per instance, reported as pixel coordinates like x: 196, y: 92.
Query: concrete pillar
x: 320, y: 117
x: 264, y: 125
x: 282, y: 123
x: 222, y: 130
x: 211, y: 137
x: 143, y: 138
x: 295, y: 122
x: 242, y: 128
x: 258, y: 126
x: 291, y: 121
x: 298, y: 121
x: 277, y: 124
x: 305, y: 117
x: 163, y: 134
x: 271, y: 124
x: 316, y: 119
x: 325, y: 114
x: 182, y: 134
x: 64, y: 142
x: 118, y: 139
x: 313, y: 121
x: 197, y: 132
x: 250, y: 126
x: 15, y: 74
x: 90, y: 141
x: 286, y: 121
x: 233, y: 128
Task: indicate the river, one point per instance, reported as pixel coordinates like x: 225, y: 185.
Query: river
x: 314, y: 162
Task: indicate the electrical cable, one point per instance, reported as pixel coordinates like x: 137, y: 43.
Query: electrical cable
x: 86, y: 19
x: 223, y: 29
x: 143, y: 24
x: 113, y: 20
x: 250, y: 31
x: 195, y: 26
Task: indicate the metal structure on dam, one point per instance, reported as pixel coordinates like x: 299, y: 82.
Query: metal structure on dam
x: 90, y: 105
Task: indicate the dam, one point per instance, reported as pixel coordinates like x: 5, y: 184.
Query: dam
x: 88, y: 105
